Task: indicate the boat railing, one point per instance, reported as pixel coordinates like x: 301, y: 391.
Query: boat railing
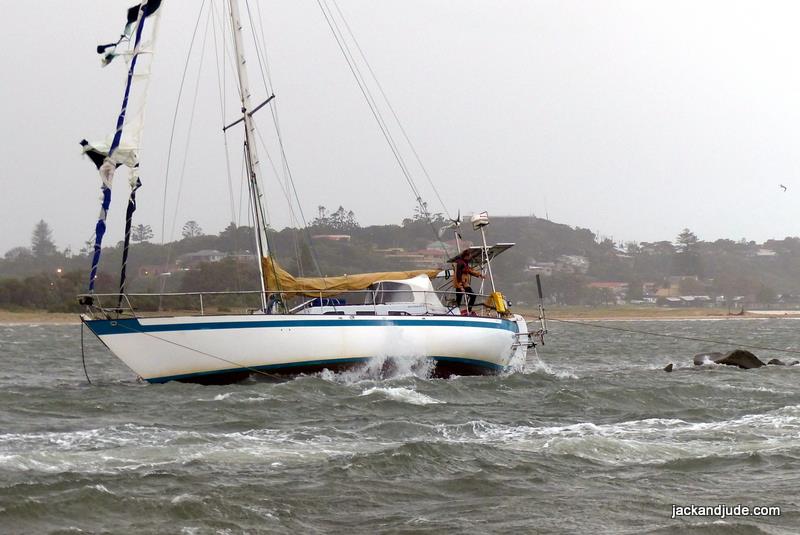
x: 115, y: 305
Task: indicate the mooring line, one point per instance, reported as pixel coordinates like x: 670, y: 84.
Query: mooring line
x: 83, y: 355
x: 674, y: 336
x: 242, y: 366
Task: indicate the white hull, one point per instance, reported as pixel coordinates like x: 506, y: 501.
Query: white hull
x: 220, y: 348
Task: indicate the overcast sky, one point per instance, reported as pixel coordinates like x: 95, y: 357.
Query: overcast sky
x: 632, y: 118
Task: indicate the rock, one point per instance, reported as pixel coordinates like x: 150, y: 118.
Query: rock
x: 705, y: 358
x: 741, y: 358
x: 776, y: 362
x: 794, y: 363
x: 668, y: 367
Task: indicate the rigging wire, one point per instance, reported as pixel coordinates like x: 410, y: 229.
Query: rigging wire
x: 365, y: 91
x: 221, y: 84
x: 285, y: 192
x: 674, y: 336
x: 190, y: 129
x: 174, y: 123
x: 261, y: 52
x: 391, y: 108
x: 287, y: 196
x: 242, y: 182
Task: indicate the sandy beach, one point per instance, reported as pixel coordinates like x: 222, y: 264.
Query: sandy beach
x: 37, y: 316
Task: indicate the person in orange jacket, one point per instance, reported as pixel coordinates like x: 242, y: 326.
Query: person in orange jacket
x: 461, y: 282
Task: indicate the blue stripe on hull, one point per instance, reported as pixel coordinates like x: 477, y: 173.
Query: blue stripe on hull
x: 128, y: 326
x: 265, y: 368
x: 454, y: 363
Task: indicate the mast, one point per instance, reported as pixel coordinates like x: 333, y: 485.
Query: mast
x: 251, y: 154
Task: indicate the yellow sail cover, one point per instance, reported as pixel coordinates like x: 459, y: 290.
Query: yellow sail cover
x: 278, y: 279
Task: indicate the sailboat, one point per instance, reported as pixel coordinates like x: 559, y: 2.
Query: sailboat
x: 302, y: 324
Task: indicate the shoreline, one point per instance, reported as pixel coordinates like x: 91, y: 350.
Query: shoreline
x: 28, y: 317
x: 621, y: 313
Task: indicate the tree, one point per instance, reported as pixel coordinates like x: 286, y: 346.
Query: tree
x: 142, y: 233
x: 686, y: 240
x: 341, y: 220
x: 422, y: 214
x: 632, y: 248
x: 322, y: 219
x: 766, y: 294
x: 42, y: 240
x: 635, y: 289
x: 192, y: 230
x: 88, y: 247
x: 18, y: 253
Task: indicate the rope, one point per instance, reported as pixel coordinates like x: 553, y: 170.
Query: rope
x: 263, y: 62
x: 221, y: 87
x: 189, y: 131
x: 172, y: 131
x: 675, y: 336
x: 83, y: 356
x: 391, y: 108
x: 217, y: 357
x: 361, y: 81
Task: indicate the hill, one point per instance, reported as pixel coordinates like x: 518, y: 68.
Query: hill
x: 577, y: 266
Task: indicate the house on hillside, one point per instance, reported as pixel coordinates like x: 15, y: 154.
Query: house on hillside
x: 155, y: 271
x: 612, y: 292
x: 331, y: 237
x: 544, y: 269
x: 572, y: 264
x: 198, y: 257
x: 424, y: 258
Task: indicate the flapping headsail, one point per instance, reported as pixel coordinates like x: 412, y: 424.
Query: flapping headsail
x: 122, y: 148
x: 279, y: 280
x: 109, y: 51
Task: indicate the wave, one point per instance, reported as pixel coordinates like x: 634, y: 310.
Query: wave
x: 647, y: 441
x: 131, y: 447
x: 383, y: 368
x: 404, y: 395
x: 538, y: 366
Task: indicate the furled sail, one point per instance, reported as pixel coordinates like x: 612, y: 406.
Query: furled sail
x: 279, y: 280
x: 122, y: 147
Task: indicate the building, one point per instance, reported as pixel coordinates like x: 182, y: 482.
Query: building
x: 155, y: 271
x: 198, y: 257
x: 612, y: 292
x: 572, y: 264
x: 332, y: 237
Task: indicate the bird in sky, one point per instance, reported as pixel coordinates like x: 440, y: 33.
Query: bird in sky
x: 782, y: 186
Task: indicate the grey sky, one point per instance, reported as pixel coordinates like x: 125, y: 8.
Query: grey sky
x: 633, y: 118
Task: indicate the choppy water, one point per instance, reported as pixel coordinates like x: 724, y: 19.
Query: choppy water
x: 594, y: 438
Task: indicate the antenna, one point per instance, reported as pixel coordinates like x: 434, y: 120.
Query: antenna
x: 479, y: 222
x: 542, y: 318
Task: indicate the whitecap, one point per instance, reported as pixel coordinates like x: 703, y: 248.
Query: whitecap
x: 405, y: 395
x: 132, y: 448
x: 646, y: 441
x: 382, y: 368
x: 101, y: 488
x: 183, y: 498
x: 536, y: 365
